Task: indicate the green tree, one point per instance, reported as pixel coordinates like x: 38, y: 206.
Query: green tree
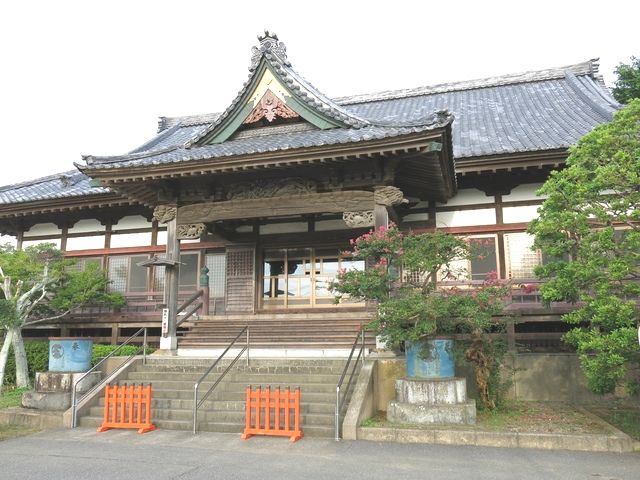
x: 627, y: 85
x: 590, y: 226
x: 402, y: 278
x: 37, y: 285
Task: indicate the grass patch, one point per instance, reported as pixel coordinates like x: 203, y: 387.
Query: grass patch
x: 13, y: 431
x: 530, y: 417
x: 625, y: 418
x: 12, y: 397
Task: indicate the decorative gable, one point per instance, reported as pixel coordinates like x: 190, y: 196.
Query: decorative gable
x: 270, y: 107
x: 275, y: 92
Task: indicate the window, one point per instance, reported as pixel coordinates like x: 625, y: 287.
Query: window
x: 301, y: 277
x: 216, y: 263
x: 483, y: 260
x: 521, y: 259
x: 126, y: 276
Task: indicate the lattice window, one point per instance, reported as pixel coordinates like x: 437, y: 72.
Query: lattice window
x: 240, y: 263
x: 118, y: 268
x: 521, y: 260
x: 216, y: 263
x: 158, y: 278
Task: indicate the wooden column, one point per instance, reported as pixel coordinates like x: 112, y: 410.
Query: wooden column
x: 169, y: 340
x: 167, y: 214
x: 380, y: 216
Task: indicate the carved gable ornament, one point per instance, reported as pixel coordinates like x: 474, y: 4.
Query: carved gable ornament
x: 270, y: 107
x: 280, y: 187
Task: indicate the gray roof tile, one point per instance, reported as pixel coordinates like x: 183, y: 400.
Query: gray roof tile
x: 532, y: 111
x: 62, y: 185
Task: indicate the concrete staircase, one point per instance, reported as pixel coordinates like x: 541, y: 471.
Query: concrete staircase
x: 310, y: 330
x: 173, y: 380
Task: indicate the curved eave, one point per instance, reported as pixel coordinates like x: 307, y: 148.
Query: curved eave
x: 552, y: 158
x: 63, y: 205
x: 258, y: 161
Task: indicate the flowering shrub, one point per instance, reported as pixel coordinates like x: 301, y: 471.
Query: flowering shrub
x: 402, y: 278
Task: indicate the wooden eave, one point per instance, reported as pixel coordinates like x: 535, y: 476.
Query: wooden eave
x: 132, y: 181
x: 60, y: 205
x: 507, y: 162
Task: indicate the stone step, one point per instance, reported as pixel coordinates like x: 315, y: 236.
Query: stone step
x: 222, y: 416
x: 290, y: 316
x: 241, y: 367
x: 206, y: 362
x: 186, y: 342
x: 308, y: 430
x: 233, y: 376
x: 239, y: 395
x: 236, y: 404
x: 306, y: 385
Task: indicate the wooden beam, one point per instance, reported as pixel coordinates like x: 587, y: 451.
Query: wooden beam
x: 330, y: 202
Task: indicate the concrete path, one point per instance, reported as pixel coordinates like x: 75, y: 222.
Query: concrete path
x: 122, y: 454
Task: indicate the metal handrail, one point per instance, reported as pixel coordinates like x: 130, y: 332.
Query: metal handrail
x: 196, y: 386
x: 340, y: 402
x: 74, y: 393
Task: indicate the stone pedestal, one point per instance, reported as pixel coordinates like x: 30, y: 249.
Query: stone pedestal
x: 52, y: 390
x: 432, y: 401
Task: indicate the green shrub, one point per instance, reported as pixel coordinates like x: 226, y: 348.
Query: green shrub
x: 37, y: 358
x: 101, y: 351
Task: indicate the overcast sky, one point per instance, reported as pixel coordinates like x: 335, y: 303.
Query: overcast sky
x: 86, y: 77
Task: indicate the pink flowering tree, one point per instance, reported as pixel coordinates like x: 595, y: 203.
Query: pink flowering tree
x: 407, y: 276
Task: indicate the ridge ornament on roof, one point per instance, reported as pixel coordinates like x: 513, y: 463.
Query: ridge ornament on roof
x: 275, y: 90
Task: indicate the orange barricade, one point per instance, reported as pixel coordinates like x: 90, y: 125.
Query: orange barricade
x: 272, y: 413
x: 127, y: 406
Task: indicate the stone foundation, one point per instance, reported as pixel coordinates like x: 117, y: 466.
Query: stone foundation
x: 432, y: 401
x: 53, y: 389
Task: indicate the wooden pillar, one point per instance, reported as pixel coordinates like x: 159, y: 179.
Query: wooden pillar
x: 380, y: 216
x: 169, y: 340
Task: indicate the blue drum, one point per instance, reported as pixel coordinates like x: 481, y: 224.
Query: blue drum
x: 69, y: 354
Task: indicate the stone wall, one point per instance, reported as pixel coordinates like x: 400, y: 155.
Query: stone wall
x: 548, y: 377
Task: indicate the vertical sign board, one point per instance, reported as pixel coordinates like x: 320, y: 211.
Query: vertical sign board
x: 165, y: 322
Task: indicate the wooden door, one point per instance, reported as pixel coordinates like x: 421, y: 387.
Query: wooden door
x: 240, y: 291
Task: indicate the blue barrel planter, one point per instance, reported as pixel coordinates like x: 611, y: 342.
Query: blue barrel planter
x: 430, y: 358
x: 69, y: 354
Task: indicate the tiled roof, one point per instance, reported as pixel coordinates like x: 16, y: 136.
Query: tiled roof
x: 62, y: 185
x: 267, y: 143
x: 543, y: 110
x: 532, y: 111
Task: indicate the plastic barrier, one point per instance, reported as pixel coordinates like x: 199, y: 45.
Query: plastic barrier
x: 274, y: 412
x: 127, y: 406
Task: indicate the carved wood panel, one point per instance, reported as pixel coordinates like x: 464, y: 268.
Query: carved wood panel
x: 329, y: 202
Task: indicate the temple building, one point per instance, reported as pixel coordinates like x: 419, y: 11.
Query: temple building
x: 267, y: 194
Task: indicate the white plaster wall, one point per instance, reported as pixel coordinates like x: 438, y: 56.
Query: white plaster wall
x: 43, y: 229
x: 415, y: 217
x: 162, y: 237
x: 87, y: 225
x: 132, y: 221
x: 468, y: 196
x: 326, y: 225
x: 523, y: 192
x: 466, y: 218
x: 85, y: 243
x: 294, y: 227
x: 131, y: 240
x: 519, y: 214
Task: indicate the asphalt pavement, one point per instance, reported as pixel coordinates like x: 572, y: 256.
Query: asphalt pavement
x: 124, y: 454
